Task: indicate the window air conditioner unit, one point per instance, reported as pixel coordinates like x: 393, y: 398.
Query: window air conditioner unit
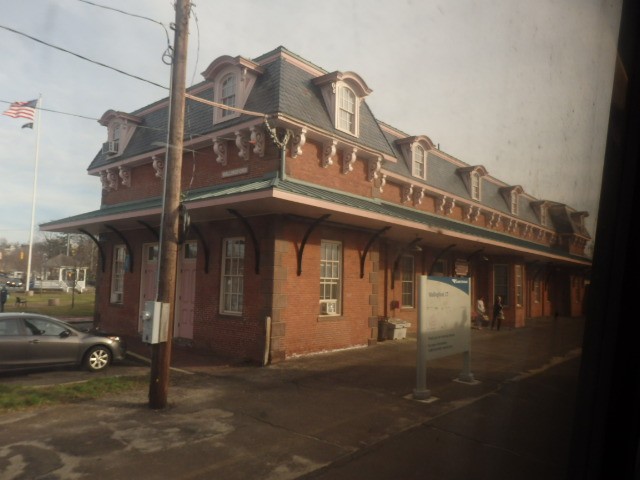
x: 329, y: 307
x: 110, y: 148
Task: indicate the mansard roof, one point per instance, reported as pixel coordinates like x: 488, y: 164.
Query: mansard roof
x: 282, y: 88
x: 287, y: 85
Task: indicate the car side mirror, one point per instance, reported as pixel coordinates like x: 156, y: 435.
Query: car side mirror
x: 65, y: 334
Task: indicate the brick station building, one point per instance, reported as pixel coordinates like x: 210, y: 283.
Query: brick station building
x: 307, y: 250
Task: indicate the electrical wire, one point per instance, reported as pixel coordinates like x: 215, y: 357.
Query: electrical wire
x: 82, y: 57
x: 167, y: 56
x: 131, y: 15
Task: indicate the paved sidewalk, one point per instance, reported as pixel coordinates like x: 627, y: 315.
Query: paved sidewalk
x: 346, y: 414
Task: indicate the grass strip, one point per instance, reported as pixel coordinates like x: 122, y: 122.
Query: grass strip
x: 15, y: 397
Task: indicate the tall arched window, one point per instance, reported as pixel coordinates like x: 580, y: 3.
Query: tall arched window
x: 228, y: 93
x: 419, y: 162
x: 347, y: 110
x: 475, y: 185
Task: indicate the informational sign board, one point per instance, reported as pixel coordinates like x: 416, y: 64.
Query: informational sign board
x: 447, y: 311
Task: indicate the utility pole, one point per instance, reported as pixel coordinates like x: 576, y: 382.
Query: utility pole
x: 161, y: 352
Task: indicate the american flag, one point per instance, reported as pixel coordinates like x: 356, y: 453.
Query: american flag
x: 22, y: 109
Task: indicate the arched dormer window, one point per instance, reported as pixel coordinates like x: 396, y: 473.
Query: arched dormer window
x: 475, y: 185
x: 228, y: 93
x: 541, y: 208
x: 415, y: 152
x: 347, y: 110
x: 120, y: 128
x: 514, y: 202
x: 419, y: 168
x: 343, y: 94
x: 232, y: 79
x: 512, y: 197
x: 472, y: 179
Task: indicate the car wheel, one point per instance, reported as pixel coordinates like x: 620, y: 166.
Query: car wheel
x: 97, y: 358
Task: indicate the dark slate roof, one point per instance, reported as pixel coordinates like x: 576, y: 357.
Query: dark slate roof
x: 282, y: 88
x: 287, y: 89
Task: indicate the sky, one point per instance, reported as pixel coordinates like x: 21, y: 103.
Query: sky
x: 520, y: 87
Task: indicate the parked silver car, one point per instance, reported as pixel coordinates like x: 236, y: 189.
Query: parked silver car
x: 29, y: 340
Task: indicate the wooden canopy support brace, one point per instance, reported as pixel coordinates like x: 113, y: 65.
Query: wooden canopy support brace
x: 205, y: 248
x: 474, y: 253
x: 126, y: 242
x: 153, y: 231
x: 363, y: 256
x: 100, y: 249
x: 396, y: 262
x: 317, y: 222
x: 442, y: 252
x: 256, y: 245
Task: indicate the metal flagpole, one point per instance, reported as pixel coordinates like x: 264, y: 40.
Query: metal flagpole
x: 35, y: 186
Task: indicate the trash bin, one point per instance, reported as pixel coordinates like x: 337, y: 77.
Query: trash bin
x: 396, y: 328
x: 382, y: 329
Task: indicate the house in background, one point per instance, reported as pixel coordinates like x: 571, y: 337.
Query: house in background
x: 319, y: 242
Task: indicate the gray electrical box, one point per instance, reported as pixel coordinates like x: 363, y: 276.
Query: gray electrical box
x: 154, y: 322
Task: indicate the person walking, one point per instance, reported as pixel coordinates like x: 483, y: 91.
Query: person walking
x: 498, y: 314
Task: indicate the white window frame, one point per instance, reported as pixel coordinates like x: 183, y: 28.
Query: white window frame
x: 118, y: 267
x: 330, y: 278
x: 232, y: 276
x: 347, y: 110
x: 116, y: 131
x: 475, y: 185
x: 514, y: 203
x: 229, y: 98
x: 419, y: 162
x: 407, y: 281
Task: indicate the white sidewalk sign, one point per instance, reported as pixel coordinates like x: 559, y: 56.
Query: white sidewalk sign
x: 444, y: 325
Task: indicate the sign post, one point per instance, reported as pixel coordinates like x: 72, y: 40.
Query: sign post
x: 421, y: 392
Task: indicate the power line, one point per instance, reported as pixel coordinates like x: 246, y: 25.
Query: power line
x: 82, y: 57
x: 168, y: 52
x: 129, y: 14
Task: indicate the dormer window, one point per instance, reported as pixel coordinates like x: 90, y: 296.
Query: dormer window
x: 419, y: 162
x: 232, y: 79
x: 514, y: 203
x: 228, y: 94
x: 347, y: 110
x: 472, y: 179
x: 541, y: 207
x: 475, y: 185
x: 120, y: 128
x: 343, y: 94
x: 115, y: 132
x: 512, y: 197
x: 415, y: 152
